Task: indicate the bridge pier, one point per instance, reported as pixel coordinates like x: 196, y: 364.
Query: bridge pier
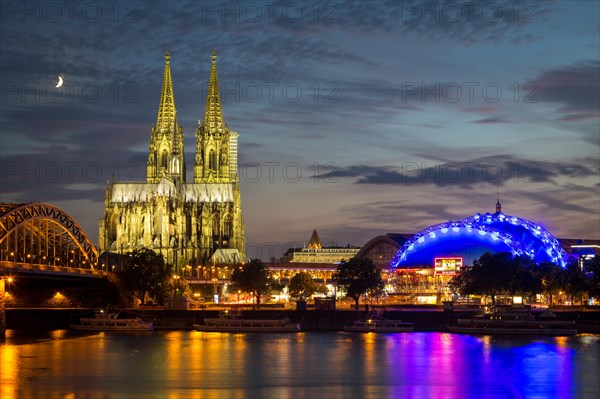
x: 2, y: 310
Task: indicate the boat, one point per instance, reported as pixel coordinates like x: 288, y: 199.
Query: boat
x: 375, y: 322
x: 232, y: 321
x: 514, y: 321
x: 105, y: 321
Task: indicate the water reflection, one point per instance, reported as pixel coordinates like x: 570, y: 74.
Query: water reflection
x: 186, y: 364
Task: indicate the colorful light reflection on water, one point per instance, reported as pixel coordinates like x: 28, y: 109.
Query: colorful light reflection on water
x: 186, y: 364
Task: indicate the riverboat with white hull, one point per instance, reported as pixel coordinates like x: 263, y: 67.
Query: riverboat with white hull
x: 231, y: 321
x: 514, y: 321
x: 105, y: 321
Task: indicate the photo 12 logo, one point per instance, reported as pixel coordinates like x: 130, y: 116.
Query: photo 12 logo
x: 255, y: 12
x: 289, y: 172
x: 64, y: 91
x: 60, y: 12
x: 471, y: 92
x: 272, y: 92
x: 65, y: 172
x: 452, y: 12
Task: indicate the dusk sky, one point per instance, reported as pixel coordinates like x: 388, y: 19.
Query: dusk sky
x: 355, y: 118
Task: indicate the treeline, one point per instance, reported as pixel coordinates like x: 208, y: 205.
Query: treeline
x: 499, y: 274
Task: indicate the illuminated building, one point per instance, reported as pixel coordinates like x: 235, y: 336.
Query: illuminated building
x: 423, y: 263
x: 471, y: 237
x: 316, y: 253
x: 181, y: 220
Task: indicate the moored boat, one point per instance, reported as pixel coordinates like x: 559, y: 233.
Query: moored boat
x: 514, y: 321
x: 105, y: 321
x: 375, y: 322
x: 231, y: 321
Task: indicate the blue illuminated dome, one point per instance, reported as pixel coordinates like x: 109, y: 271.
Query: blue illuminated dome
x: 471, y: 237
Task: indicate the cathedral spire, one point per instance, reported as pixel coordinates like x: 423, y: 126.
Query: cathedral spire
x: 166, y: 155
x: 213, y: 114
x: 166, y: 109
x: 216, y: 146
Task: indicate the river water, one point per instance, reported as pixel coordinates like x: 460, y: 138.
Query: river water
x: 190, y: 364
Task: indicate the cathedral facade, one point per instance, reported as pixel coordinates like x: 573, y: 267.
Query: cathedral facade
x: 187, y: 222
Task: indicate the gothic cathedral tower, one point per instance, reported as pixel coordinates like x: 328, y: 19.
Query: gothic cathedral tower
x: 166, y: 157
x: 216, y: 145
x: 197, y: 222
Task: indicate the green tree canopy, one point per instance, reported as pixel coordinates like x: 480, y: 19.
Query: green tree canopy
x: 253, y: 277
x: 553, y: 278
x: 302, y: 287
x: 494, y: 274
x: 147, y: 274
x: 357, y: 277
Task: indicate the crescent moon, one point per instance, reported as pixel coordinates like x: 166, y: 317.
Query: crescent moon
x: 60, y: 81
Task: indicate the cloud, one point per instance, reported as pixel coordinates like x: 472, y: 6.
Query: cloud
x: 575, y: 87
x: 552, y: 200
x: 495, y: 170
x: 491, y: 120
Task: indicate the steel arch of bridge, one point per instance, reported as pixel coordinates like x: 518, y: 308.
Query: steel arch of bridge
x: 43, y: 232
x: 480, y: 223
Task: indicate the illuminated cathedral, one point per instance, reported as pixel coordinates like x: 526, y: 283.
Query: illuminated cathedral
x: 187, y: 222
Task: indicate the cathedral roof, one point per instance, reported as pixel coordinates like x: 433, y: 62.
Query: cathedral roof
x: 166, y: 109
x: 165, y: 188
x: 192, y: 192
x: 213, y: 113
x: 226, y: 256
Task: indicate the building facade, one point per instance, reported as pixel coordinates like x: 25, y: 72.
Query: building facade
x: 316, y: 253
x: 187, y: 222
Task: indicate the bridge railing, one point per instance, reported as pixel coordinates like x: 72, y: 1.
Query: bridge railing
x: 34, y: 267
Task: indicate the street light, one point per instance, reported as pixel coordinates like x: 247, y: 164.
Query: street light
x: 2, y: 306
x: 175, y: 280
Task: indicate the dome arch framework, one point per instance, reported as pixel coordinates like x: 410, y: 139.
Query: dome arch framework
x: 520, y: 236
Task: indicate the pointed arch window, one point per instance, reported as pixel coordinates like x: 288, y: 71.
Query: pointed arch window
x: 228, y: 226
x: 212, y: 160
x: 164, y: 161
x: 216, y: 225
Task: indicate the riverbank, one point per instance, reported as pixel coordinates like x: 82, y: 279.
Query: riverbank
x: 426, y: 319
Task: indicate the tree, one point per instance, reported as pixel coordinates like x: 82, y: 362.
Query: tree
x: 592, y: 271
x: 487, y: 276
x: 524, y: 281
x: 357, y: 277
x: 576, y: 283
x: 553, y: 278
x: 495, y: 274
x: 302, y: 286
x: 147, y: 274
x: 253, y: 277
